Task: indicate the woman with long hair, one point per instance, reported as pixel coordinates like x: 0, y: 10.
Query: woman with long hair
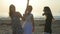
x: 15, y: 20
x: 48, y: 21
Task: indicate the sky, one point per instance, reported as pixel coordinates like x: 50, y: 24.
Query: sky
x: 37, y: 5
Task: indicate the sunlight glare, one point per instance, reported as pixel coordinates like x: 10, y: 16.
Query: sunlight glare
x: 19, y: 4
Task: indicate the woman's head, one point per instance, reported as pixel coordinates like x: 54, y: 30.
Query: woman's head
x: 29, y: 9
x: 12, y: 8
x: 47, y: 9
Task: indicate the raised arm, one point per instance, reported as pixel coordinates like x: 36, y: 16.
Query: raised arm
x: 27, y: 5
x: 24, y: 15
x: 27, y: 2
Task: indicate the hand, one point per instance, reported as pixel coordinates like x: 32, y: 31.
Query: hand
x: 33, y: 29
x: 43, y: 14
x: 53, y: 20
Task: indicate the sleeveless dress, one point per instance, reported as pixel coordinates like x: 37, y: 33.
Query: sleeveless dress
x: 28, y: 25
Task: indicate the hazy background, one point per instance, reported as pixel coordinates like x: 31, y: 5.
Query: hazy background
x: 37, y: 11
x: 37, y: 5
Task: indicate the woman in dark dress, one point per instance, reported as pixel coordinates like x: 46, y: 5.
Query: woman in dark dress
x: 49, y: 17
x: 15, y: 19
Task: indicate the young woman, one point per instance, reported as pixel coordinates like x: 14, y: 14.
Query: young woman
x: 49, y: 17
x: 15, y: 19
x: 29, y: 21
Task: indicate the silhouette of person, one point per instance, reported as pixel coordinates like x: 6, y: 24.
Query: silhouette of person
x: 48, y: 21
x: 15, y: 19
x: 29, y: 21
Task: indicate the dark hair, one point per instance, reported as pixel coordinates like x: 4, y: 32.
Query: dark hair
x: 49, y: 13
x: 10, y: 11
x: 46, y: 8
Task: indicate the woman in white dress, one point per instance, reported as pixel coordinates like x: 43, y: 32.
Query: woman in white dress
x: 29, y: 21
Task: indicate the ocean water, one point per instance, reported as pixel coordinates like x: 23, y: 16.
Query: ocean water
x: 43, y: 18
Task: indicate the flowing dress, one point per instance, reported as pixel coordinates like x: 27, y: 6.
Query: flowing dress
x: 28, y: 25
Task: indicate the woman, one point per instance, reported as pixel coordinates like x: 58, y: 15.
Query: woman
x: 15, y: 19
x: 29, y: 21
x: 49, y: 17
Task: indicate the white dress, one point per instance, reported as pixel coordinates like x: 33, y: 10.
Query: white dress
x: 28, y: 25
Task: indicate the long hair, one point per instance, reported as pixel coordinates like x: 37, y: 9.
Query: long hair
x: 48, y: 11
x: 11, y: 8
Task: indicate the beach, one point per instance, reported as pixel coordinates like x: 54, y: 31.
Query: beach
x: 39, y: 27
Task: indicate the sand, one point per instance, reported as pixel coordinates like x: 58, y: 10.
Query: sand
x: 39, y: 27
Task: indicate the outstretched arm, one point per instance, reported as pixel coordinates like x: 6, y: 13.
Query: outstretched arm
x: 18, y: 14
x: 27, y: 5
x: 24, y: 15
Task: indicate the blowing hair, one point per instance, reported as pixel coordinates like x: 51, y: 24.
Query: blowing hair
x: 48, y: 11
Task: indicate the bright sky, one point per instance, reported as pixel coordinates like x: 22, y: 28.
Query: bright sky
x: 37, y: 5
